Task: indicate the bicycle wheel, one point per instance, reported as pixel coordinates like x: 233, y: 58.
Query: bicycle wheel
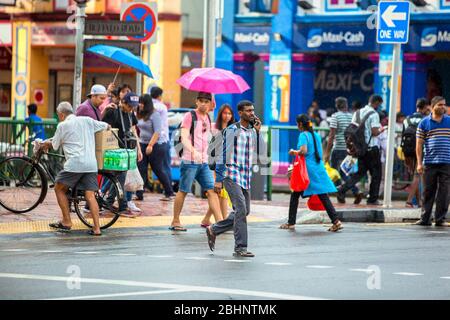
x: 23, y: 185
x: 108, y: 202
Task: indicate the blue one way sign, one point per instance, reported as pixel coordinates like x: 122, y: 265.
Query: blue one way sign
x: 393, y: 22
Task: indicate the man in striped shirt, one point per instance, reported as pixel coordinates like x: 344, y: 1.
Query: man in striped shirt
x: 234, y: 171
x: 433, y: 161
x: 339, y: 121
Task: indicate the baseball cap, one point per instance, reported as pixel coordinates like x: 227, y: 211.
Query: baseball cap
x: 131, y: 99
x: 97, y: 89
x: 204, y: 95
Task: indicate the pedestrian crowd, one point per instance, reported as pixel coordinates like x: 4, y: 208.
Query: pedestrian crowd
x: 220, y: 155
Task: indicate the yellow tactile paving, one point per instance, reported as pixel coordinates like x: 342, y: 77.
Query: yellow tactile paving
x: 139, y: 222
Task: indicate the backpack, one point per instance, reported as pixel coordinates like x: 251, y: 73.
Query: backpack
x: 408, y: 142
x: 178, y: 145
x: 217, y: 142
x: 355, y: 138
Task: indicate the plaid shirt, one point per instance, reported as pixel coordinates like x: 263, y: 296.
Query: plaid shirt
x: 238, y: 149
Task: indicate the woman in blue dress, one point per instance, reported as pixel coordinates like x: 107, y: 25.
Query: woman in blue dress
x: 309, y: 145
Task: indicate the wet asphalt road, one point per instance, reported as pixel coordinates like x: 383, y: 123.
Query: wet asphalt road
x: 361, y: 262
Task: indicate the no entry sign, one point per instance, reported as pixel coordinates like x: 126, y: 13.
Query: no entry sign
x: 142, y: 11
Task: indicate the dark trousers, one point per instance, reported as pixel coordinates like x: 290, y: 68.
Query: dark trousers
x: 337, y: 156
x: 436, y: 180
x: 157, y: 161
x: 236, y: 220
x: 370, y: 162
x: 324, y: 198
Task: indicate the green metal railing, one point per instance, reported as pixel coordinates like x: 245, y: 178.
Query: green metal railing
x: 16, y: 136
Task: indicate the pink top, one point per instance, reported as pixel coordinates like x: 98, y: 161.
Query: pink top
x: 202, y: 135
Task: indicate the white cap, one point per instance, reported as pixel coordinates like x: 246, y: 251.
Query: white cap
x: 97, y: 89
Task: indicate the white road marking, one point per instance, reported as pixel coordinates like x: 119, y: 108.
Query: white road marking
x: 448, y: 278
x: 49, y: 251
x: 410, y: 274
x: 438, y: 232
x: 86, y: 252
x: 14, y: 250
x: 278, y: 263
x: 152, y: 256
x: 123, y: 254
x: 197, y: 258
x: 238, y: 261
x: 142, y: 284
x: 361, y: 270
x: 320, y: 267
x: 127, y: 294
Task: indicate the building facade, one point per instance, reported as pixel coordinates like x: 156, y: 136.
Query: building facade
x: 37, y: 54
x: 294, y: 52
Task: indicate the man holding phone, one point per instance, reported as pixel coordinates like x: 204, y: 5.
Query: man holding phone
x: 241, y: 147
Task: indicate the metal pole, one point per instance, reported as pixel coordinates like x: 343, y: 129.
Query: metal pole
x: 209, y: 33
x: 78, y: 74
x: 391, y: 129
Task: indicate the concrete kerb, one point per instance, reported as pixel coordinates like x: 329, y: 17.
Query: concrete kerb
x: 382, y: 215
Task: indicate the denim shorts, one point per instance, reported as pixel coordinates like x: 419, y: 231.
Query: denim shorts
x: 195, y: 171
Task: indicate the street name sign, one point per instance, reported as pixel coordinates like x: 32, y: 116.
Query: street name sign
x: 393, y: 22
x: 133, y: 46
x: 114, y: 28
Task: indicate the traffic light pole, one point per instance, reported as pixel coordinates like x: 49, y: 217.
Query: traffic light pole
x: 391, y: 128
x: 78, y: 74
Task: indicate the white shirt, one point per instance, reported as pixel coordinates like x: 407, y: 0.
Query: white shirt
x: 76, y: 135
x: 162, y: 109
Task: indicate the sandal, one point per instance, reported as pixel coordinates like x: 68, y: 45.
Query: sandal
x: 336, y: 227
x: 177, y: 228
x: 92, y: 233
x: 59, y: 226
x: 245, y: 254
x: 287, y: 226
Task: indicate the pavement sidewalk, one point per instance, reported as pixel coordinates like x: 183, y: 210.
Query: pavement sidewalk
x: 159, y: 213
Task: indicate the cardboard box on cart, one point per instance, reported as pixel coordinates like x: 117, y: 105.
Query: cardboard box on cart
x: 105, y: 140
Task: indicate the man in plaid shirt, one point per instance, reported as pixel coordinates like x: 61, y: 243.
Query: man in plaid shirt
x: 240, y: 142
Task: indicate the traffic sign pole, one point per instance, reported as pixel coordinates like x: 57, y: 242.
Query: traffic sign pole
x: 78, y: 74
x: 391, y: 128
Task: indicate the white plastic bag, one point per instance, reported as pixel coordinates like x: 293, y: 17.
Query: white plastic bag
x: 133, y: 181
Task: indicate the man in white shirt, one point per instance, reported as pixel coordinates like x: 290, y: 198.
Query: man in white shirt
x: 76, y: 135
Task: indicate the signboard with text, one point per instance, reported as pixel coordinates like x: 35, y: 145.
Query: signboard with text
x: 393, y: 22
x: 114, y: 28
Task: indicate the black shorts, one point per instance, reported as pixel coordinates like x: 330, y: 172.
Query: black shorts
x: 83, y: 181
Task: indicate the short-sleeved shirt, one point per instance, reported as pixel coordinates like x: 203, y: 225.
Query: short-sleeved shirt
x: 38, y: 129
x: 86, y: 109
x: 340, y: 121
x: 112, y: 117
x: 162, y: 109
x: 151, y: 126
x: 437, y: 140
x: 372, y: 122
x: 202, y: 135
x: 76, y: 136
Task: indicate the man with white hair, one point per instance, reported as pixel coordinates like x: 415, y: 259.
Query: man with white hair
x: 76, y: 135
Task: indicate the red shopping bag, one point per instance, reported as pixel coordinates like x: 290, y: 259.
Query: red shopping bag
x: 315, y: 204
x: 299, y: 179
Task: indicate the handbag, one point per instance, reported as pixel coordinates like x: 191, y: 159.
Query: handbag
x: 133, y: 181
x: 315, y: 204
x: 299, y: 179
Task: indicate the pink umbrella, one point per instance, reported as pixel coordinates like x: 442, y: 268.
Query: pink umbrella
x: 213, y: 80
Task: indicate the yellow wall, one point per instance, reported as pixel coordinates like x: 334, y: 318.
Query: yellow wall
x: 40, y: 78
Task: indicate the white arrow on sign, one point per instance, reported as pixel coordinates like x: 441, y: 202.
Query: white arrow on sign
x: 389, y: 16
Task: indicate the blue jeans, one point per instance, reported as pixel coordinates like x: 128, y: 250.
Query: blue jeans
x: 195, y: 171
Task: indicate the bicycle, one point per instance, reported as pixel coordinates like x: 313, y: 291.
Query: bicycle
x: 24, y: 185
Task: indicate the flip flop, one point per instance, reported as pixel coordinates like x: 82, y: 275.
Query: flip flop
x: 205, y: 225
x: 177, y: 228
x: 59, y: 226
x: 92, y: 233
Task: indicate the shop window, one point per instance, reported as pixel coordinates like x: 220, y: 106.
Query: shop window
x: 255, y: 6
x: 5, y: 100
x: 341, y: 5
